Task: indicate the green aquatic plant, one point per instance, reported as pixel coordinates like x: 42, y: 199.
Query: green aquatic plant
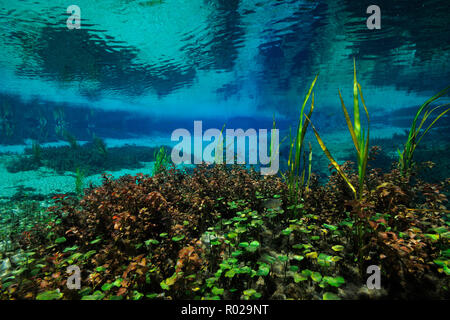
x: 218, y: 155
x: 207, y: 235
x: 295, y: 176
x: 60, y: 124
x: 100, y: 146
x: 71, y: 139
x: 49, y: 295
x: 37, y: 154
x: 415, y: 135
x: 360, y: 138
x: 43, y: 132
x: 7, y: 124
x: 79, y: 181
x: 274, y: 152
x: 162, y: 160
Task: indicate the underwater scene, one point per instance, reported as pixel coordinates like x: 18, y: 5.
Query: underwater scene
x: 224, y: 150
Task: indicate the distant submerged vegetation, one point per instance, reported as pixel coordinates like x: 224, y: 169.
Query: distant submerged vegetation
x: 226, y: 232
x: 92, y: 157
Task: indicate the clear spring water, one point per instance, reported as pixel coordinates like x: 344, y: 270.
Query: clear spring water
x: 136, y: 70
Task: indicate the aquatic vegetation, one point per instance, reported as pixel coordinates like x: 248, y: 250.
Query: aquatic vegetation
x: 162, y: 160
x: 222, y: 233
x: 92, y: 158
x: 415, y: 134
x: 100, y: 146
x: 296, y: 167
x: 36, y: 149
x: 71, y: 139
x: 60, y: 123
x: 79, y: 181
x: 43, y: 131
x: 7, y: 125
x: 360, y: 138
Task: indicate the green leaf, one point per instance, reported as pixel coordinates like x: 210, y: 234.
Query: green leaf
x: 88, y: 254
x: 243, y: 244
x: 164, y: 285
x: 230, y: 273
x: 316, y: 276
x: 178, y: 238
x: 307, y: 272
x: 330, y: 296
x: 137, y: 295
x: 151, y: 241
x: 232, y: 235
x: 335, y: 282
x: 236, y: 253
x: 245, y: 269
x: 96, y: 241
x: 286, y: 231
x: 440, y: 263
x: 447, y: 270
x: 446, y: 253
x: 97, y: 295
x: 329, y: 226
x: 254, y: 245
x: 337, y: 247
x: 60, y: 240
x: 217, y: 291
x: 75, y: 256
x: 240, y: 229
x: 117, y: 283
x: 249, y: 292
x: 263, y: 270
x: 107, y: 286
x: 299, y: 277
x: 324, y: 260
x: 49, y: 295
x: 70, y: 248
x: 432, y: 237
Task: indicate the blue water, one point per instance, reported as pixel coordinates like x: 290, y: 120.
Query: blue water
x: 141, y: 69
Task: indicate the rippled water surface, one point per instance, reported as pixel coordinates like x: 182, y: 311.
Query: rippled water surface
x: 222, y: 57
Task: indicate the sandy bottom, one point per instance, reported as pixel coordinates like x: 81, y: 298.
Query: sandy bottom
x: 46, y: 181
